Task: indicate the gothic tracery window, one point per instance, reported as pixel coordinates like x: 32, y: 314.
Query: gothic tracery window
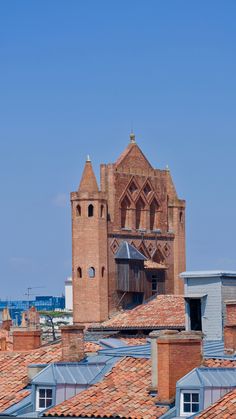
x: 140, y: 214
x: 126, y: 213
x: 154, y: 215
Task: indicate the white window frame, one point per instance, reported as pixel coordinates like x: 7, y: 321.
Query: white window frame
x: 186, y: 414
x: 38, y: 408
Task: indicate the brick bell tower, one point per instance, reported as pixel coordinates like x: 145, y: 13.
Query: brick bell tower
x: 89, y: 250
x: 137, y: 208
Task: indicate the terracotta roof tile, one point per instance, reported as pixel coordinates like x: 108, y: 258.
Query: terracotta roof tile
x: 134, y: 341
x: 161, y: 311
x: 224, y: 408
x: 13, y: 370
x: 216, y: 363
x: 122, y: 393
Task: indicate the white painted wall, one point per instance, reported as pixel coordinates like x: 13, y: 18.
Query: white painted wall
x: 211, y: 304
x: 69, y: 294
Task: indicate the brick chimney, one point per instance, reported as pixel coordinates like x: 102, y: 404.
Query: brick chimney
x: 6, y: 319
x: 26, y: 339
x: 230, y: 327
x: 3, y: 344
x: 153, y: 336
x: 72, y: 343
x: 178, y: 354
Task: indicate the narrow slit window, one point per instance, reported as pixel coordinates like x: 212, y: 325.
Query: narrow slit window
x: 79, y: 272
x: 90, y: 210
x: 78, y: 210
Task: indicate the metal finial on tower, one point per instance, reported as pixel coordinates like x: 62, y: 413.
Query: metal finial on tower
x: 167, y: 168
x: 88, y: 158
x: 132, y: 138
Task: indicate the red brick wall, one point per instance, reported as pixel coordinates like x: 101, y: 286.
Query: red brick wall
x: 6, y: 324
x: 231, y: 313
x: 230, y: 338
x: 89, y: 249
x: 3, y: 344
x: 177, y: 355
x: 24, y: 340
x: 93, y: 239
x: 72, y: 343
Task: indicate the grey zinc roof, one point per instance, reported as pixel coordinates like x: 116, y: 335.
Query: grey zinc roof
x: 127, y: 251
x: 215, y: 349
x: 89, y: 371
x: 135, y: 351
x: 208, y: 274
x: 209, y: 377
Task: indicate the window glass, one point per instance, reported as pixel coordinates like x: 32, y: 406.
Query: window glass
x: 154, y: 284
x: 190, y: 402
x: 44, y: 398
x: 91, y: 272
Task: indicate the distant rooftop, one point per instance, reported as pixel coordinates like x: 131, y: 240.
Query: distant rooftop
x: 161, y: 311
x: 208, y: 274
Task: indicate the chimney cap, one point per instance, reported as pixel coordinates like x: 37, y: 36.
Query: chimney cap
x: 180, y: 336
x: 72, y: 327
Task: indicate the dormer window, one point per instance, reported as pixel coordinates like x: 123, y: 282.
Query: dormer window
x: 189, y: 402
x: 43, y: 398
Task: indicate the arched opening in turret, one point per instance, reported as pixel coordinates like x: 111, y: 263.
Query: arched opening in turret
x: 78, y: 210
x: 140, y: 214
x: 154, y: 215
x: 90, y: 210
x: 103, y: 271
x: 126, y: 218
x: 91, y: 272
x: 79, y: 272
x: 102, y: 211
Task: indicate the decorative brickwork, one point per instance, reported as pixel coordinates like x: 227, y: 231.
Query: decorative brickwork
x: 135, y: 203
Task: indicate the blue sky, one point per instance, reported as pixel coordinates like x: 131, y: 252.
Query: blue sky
x: 75, y: 77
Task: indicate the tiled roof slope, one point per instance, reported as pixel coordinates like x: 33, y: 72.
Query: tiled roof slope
x: 162, y: 311
x: 122, y: 394
x: 134, y: 341
x: 224, y: 408
x: 215, y: 363
x: 13, y: 370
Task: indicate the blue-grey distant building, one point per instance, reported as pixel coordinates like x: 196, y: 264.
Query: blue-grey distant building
x: 44, y: 302
x: 206, y: 293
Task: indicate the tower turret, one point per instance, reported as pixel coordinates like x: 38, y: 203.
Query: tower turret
x: 89, y: 250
